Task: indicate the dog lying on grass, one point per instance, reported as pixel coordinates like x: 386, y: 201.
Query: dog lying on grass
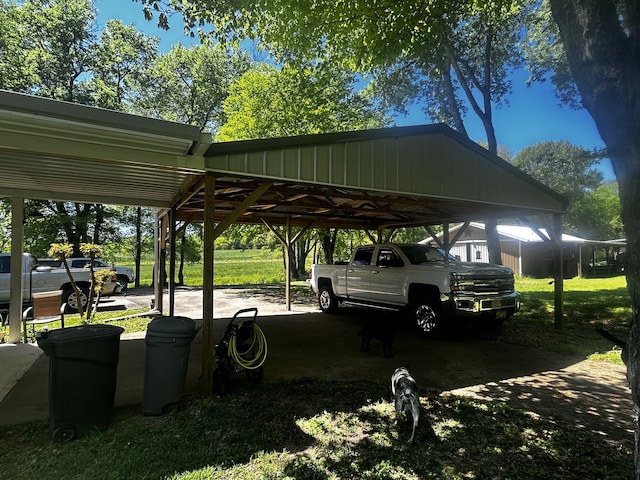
x: 407, y: 400
x: 381, y: 329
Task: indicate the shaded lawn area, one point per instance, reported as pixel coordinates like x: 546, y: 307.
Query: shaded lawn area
x: 315, y: 429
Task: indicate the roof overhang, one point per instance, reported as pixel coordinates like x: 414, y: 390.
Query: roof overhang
x: 62, y: 151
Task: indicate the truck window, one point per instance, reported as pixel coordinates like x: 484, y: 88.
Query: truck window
x: 389, y: 258
x: 363, y: 256
x: 5, y: 264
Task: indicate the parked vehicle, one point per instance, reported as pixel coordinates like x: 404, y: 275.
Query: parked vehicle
x: 421, y: 280
x: 41, y: 278
x: 125, y: 275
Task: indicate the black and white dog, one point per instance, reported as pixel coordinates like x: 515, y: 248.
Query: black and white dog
x: 407, y: 400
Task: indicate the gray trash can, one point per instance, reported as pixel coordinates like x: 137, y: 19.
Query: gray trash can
x: 168, y: 342
x: 83, y: 367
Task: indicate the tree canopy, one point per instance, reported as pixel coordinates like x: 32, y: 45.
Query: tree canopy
x: 269, y: 101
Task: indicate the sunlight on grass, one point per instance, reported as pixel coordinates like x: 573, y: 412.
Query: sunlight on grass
x: 318, y: 429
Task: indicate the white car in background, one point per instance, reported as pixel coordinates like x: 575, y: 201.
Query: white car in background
x: 125, y: 274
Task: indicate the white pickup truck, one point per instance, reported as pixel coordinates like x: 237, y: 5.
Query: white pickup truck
x: 419, y: 279
x: 47, y: 279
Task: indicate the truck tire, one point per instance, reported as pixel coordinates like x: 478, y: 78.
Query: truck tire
x: 123, y: 281
x: 327, y: 299
x: 427, y: 316
x: 69, y: 297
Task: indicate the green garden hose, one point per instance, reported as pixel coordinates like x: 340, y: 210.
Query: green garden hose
x: 255, y: 355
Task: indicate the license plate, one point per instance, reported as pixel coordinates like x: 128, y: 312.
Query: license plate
x: 500, y: 314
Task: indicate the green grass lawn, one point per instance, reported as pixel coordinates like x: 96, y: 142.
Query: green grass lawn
x: 232, y: 267
x: 313, y: 429
x: 588, y: 303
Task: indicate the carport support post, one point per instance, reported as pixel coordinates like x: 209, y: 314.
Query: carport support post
x: 172, y: 260
x: 556, y: 241
x: 207, y: 285
x: 287, y: 256
x: 15, y: 285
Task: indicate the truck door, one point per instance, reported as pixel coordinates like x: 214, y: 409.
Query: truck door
x: 359, y: 274
x: 388, y: 277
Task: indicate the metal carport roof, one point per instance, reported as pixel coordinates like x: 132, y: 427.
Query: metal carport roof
x: 372, y: 179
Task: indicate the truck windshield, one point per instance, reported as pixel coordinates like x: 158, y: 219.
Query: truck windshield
x: 418, y: 254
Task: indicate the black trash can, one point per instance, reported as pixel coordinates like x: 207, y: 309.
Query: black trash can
x: 168, y: 342
x: 83, y: 367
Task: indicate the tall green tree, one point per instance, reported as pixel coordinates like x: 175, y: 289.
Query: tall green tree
x: 569, y: 170
x: 121, y: 57
x: 189, y: 85
x: 60, y: 34
x: 272, y: 102
x: 596, y: 215
x: 17, y: 70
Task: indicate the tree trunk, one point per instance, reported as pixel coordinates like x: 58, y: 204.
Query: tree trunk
x: 493, y: 241
x: 328, y: 239
x: 604, y: 56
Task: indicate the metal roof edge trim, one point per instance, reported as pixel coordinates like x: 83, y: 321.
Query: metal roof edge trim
x: 58, y: 109
x: 224, y: 148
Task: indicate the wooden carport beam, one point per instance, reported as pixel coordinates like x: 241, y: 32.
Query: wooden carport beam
x: 446, y: 243
x: 241, y: 208
x: 287, y: 241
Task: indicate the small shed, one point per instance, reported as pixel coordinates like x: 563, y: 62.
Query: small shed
x: 527, y: 251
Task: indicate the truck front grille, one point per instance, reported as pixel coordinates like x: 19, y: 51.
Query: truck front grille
x: 483, y: 284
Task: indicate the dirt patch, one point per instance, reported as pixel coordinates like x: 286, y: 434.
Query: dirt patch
x: 590, y: 395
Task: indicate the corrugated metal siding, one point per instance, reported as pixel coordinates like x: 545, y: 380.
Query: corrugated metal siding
x: 433, y: 165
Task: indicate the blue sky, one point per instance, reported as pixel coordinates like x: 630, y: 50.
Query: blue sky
x: 533, y: 114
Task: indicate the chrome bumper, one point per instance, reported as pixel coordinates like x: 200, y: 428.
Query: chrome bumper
x: 479, y: 304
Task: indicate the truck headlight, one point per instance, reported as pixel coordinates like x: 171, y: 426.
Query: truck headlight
x: 460, y: 282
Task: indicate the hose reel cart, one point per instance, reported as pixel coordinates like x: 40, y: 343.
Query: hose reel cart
x: 243, y: 348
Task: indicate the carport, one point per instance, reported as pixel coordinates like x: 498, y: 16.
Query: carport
x: 375, y: 180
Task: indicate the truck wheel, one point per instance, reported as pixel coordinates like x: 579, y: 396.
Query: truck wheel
x: 427, y: 318
x: 327, y: 299
x: 123, y: 281
x: 69, y: 297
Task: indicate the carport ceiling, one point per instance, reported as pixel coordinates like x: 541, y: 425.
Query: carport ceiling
x: 369, y: 179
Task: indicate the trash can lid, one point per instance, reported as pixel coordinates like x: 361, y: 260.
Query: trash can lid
x: 79, y: 332
x: 172, y: 325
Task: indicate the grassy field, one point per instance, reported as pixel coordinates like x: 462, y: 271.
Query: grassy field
x: 232, y: 267
x: 313, y: 429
